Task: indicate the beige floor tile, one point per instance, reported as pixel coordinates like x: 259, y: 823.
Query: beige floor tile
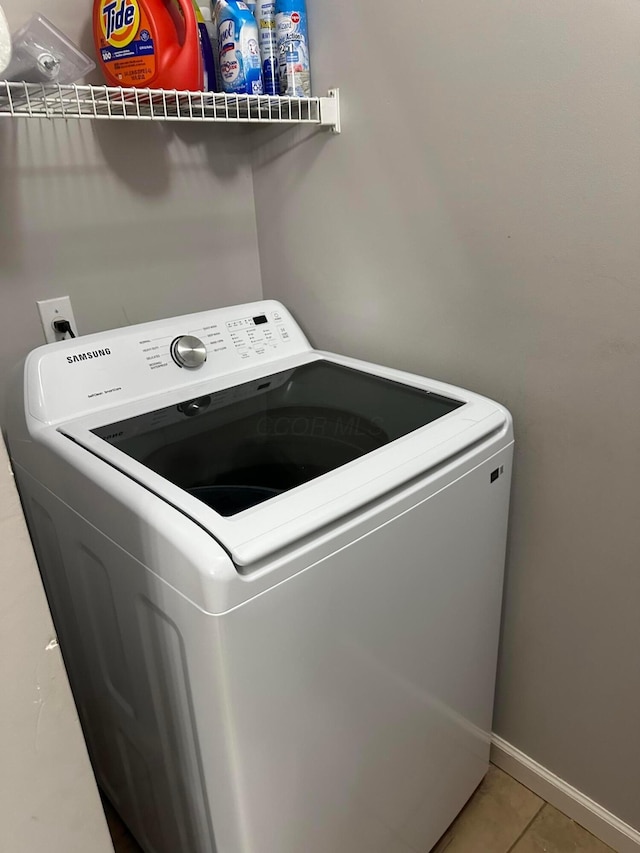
x: 553, y: 832
x: 494, y: 817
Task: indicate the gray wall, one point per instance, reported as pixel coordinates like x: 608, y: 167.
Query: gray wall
x: 133, y: 221
x: 478, y: 221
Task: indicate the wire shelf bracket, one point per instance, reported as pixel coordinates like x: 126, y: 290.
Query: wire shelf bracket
x: 330, y: 110
x: 34, y: 100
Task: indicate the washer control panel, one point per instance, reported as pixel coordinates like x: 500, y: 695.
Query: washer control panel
x: 111, y: 368
x: 250, y: 336
x: 254, y: 336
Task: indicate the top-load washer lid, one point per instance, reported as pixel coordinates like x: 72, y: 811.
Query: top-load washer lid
x: 231, y: 417
x: 242, y: 446
x: 264, y: 463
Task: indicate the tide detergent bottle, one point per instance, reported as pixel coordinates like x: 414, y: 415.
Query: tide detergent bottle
x: 148, y: 43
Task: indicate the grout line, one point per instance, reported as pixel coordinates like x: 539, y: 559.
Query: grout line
x: 526, y: 829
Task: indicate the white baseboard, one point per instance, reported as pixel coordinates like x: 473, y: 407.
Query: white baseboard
x: 593, y: 817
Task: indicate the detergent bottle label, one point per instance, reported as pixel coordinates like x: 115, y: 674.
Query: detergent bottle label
x: 126, y: 46
x: 230, y: 60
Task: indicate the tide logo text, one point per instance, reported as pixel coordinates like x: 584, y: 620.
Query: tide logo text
x: 119, y: 20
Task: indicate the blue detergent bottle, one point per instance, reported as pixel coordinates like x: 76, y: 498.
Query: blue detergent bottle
x: 292, y: 42
x: 238, y: 54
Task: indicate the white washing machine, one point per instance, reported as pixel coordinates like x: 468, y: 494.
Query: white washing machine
x: 276, y: 575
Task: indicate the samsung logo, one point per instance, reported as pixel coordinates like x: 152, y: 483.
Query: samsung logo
x: 85, y: 356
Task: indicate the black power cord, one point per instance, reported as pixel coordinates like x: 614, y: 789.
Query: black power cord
x: 63, y: 327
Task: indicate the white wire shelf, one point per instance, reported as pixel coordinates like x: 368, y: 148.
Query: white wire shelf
x: 33, y: 100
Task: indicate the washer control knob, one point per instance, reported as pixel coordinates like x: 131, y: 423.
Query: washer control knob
x: 188, y: 351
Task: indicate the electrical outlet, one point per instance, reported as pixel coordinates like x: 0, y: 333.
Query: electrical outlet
x: 55, y: 309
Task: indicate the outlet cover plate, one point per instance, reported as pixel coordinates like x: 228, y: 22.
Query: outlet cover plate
x: 55, y: 309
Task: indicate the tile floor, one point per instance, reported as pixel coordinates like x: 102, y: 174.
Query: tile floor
x: 501, y: 817
x: 505, y: 817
